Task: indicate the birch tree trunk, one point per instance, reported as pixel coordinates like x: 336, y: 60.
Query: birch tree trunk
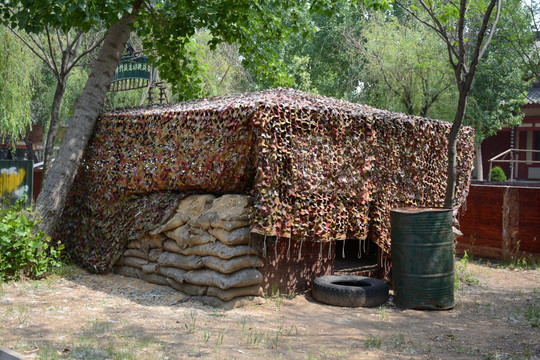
x: 479, y: 163
x: 52, y: 198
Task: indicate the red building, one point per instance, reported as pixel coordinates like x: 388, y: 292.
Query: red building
x: 521, y: 144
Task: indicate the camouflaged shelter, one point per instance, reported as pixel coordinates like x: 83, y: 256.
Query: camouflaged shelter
x: 315, y: 169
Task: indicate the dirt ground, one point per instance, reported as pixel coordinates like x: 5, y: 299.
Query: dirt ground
x: 85, y: 316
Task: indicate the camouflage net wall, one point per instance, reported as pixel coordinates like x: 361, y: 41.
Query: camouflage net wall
x: 318, y: 168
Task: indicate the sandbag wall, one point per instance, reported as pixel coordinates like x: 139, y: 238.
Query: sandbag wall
x: 203, y: 249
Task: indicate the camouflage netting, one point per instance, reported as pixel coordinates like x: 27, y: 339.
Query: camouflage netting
x: 318, y: 168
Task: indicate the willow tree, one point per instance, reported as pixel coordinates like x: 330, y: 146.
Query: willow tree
x: 17, y: 67
x: 404, y: 67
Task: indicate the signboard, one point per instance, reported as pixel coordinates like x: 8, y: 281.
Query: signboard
x: 133, y: 72
x: 131, y: 67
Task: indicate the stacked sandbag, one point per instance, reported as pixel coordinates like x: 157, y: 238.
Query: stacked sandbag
x: 202, y: 249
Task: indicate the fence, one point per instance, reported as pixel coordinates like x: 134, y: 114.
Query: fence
x: 16, y: 180
x: 501, y: 221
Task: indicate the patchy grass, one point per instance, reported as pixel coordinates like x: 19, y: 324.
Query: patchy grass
x: 373, y: 342
x: 462, y: 273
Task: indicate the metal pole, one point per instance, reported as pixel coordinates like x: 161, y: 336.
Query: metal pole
x: 512, y: 135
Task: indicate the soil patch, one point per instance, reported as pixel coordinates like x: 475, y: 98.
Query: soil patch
x: 86, y: 316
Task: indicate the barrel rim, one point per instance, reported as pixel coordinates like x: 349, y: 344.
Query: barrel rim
x: 419, y: 209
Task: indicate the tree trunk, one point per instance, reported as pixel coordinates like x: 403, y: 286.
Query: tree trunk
x: 53, y: 125
x: 30, y: 150
x: 479, y: 164
x: 52, y: 198
x: 452, y: 150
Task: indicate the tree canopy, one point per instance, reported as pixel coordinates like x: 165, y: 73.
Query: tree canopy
x: 167, y: 28
x: 505, y: 74
x: 404, y: 67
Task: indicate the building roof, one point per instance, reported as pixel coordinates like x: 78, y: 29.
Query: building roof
x: 534, y: 95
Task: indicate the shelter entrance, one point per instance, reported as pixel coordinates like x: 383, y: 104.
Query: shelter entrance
x: 360, y: 257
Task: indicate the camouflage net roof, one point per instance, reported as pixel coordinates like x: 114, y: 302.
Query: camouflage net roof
x: 318, y: 168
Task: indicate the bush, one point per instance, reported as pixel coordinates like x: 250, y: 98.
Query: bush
x: 497, y: 174
x: 24, y: 252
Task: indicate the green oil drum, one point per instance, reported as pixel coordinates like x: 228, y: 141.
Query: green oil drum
x: 422, y: 258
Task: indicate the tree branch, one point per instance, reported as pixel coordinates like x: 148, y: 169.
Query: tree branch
x: 492, y: 31
x: 43, y: 58
x: 51, y: 51
x: 438, y: 28
x: 479, y: 47
x: 86, y: 52
x: 59, y: 38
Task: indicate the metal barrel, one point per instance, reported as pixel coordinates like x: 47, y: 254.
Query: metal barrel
x: 422, y: 258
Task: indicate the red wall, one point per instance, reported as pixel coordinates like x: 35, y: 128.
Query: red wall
x: 500, y: 221
x: 493, y: 146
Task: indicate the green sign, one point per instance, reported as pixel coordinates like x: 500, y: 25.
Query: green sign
x: 131, y: 67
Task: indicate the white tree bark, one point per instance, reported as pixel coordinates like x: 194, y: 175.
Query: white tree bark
x: 52, y: 198
x: 479, y: 164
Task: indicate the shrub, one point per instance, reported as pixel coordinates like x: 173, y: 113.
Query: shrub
x: 23, y: 251
x: 497, y: 174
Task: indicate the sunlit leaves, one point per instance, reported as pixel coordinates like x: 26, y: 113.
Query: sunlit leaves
x: 33, y: 15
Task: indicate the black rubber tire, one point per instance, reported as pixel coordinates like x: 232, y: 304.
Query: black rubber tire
x: 350, y: 291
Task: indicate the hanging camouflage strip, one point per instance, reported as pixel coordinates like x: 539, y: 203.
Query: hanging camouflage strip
x: 318, y: 168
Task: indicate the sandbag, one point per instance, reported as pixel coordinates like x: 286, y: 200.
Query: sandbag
x: 242, y: 278
x: 229, y: 294
x: 180, y: 261
x: 231, y: 265
x: 212, y: 219
x: 154, y: 254
x: 194, y: 205
x: 181, y: 235
x: 155, y: 242
x: 228, y: 212
x: 190, y: 289
x: 145, y: 246
x: 135, y: 253
x: 220, y: 250
x: 177, y: 220
x: 131, y: 261
x: 199, y: 237
x: 128, y: 271
x: 134, y: 244
x: 150, y: 268
x: 154, y: 279
x: 238, y: 236
x: 173, y: 273
x: 171, y: 245
x: 189, y: 208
